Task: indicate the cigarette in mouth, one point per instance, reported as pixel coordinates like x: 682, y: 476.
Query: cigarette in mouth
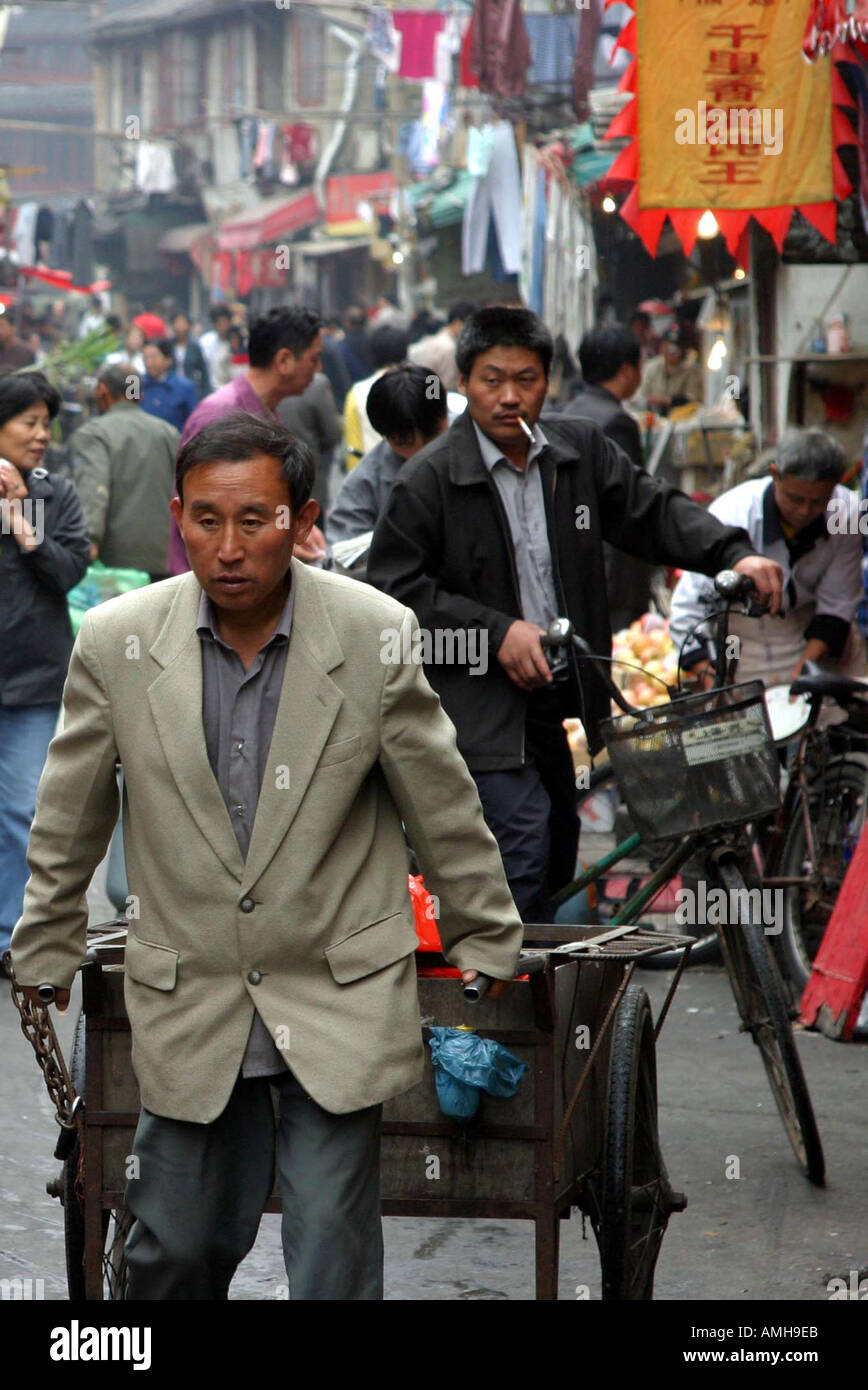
x: 526, y: 427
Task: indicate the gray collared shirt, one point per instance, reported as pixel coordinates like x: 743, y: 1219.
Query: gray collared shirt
x: 521, y: 491
x: 238, y: 711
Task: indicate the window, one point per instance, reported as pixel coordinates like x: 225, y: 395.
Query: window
x: 232, y: 71
x: 131, y: 83
x: 269, y: 62
x: 310, y: 59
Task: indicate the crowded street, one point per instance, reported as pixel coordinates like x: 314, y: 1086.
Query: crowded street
x: 434, y: 666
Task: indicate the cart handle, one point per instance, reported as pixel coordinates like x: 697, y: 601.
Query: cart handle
x: 479, y: 987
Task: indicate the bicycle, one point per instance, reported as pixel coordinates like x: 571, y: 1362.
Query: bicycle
x: 804, y: 850
x: 693, y: 773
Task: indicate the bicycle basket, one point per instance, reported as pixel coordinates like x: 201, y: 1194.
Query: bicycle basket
x: 702, y: 761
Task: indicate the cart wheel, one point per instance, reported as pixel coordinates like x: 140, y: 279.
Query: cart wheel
x: 636, y: 1196
x: 116, y: 1224
x: 761, y: 997
x: 73, y: 1209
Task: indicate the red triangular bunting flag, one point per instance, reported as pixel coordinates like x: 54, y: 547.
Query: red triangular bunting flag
x: 625, y: 123
x: 684, y: 224
x: 627, y: 82
x: 627, y: 39
x: 776, y: 222
x: 626, y: 165
x: 823, y: 216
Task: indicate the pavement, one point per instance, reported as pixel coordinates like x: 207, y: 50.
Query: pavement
x: 754, y: 1228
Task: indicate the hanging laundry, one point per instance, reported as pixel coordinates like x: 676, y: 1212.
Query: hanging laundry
x: 466, y: 76
x: 480, y: 143
x: 583, y: 70
x: 494, y: 196
x: 435, y: 122
x: 263, y: 156
x: 418, y: 30
x: 382, y: 38
x: 553, y: 48
x: 155, y: 168
x: 247, y: 127
x: 499, y: 47
x: 300, y: 142
x: 25, y: 233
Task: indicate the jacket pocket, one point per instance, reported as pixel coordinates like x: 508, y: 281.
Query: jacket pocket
x: 340, y: 751
x: 150, y: 964
x: 371, y: 948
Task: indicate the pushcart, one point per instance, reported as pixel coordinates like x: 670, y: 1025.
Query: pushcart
x: 580, y: 1134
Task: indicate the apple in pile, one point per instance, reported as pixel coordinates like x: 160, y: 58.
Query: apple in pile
x: 645, y: 643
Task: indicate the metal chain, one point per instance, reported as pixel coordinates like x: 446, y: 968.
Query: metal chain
x: 38, y: 1029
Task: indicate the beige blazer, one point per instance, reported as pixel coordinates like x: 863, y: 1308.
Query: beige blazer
x: 315, y: 930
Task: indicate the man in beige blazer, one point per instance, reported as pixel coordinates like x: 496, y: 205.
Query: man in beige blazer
x: 273, y: 749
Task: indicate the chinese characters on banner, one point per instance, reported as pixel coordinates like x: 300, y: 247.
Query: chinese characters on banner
x: 728, y: 116
x: 739, y: 120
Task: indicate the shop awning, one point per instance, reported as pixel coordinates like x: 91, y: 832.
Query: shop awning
x: 272, y: 219
x: 331, y: 247
x: 441, y: 207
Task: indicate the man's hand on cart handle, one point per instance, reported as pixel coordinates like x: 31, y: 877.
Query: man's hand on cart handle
x: 768, y: 577
x: 38, y: 994
x: 492, y: 989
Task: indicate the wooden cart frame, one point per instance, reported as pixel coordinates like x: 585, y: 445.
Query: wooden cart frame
x: 580, y: 1133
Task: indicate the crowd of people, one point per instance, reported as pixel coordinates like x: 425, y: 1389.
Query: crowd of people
x: 249, y: 456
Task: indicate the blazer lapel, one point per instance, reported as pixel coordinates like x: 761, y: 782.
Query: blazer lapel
x: 308, y: 708
x: 176, y: 704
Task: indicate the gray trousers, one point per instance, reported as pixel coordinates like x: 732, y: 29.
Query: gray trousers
x: 201, y: 1189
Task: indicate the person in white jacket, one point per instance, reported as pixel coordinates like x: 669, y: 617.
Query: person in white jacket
x: 803, y: 518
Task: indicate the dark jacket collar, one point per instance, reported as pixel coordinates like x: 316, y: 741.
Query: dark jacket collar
x: 465, y: 461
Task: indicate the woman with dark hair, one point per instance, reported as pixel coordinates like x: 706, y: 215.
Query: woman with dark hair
x: 43, y: 554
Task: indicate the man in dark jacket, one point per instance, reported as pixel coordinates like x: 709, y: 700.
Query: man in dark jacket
x: 189, y: 357
x: 609, y: 357
x: 489, y: 535
x: 125, y: 476
x: 314, y: 419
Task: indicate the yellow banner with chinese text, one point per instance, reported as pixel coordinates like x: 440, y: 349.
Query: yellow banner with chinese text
x: 730, y: 114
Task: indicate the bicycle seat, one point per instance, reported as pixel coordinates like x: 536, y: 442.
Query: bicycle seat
x: 828, y: 686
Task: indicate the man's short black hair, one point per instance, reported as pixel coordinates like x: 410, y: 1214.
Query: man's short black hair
x: 405, y: 400
x: 165, y: 346
x: 605, y: 349
x: 220, y: 311
x: 20, y: 390
x: 180, y: 314
x: 240, y: 436
x: 355, y: 318
x: 292, y: 327
x: 500, y: 327
x: 459, y: 311
x: 388, y: 345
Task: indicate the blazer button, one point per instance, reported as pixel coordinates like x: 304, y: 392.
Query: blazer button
x: 247, y: 904
x: 255, y: 977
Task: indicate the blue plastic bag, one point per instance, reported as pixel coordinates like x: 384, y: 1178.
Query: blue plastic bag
x: 465, y: 1065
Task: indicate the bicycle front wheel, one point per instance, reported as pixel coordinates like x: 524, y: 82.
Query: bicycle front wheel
x: 760, y: 994
x: 837, y: 807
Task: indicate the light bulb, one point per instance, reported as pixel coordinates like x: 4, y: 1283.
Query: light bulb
x: 717, y: 355
x: 609, y: 203
x: 397, y: 257
x: 708, y: 226
x: 738, y: 273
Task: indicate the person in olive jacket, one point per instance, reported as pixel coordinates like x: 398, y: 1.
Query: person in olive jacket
x: 43, y: 554
x: 495, y: 529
